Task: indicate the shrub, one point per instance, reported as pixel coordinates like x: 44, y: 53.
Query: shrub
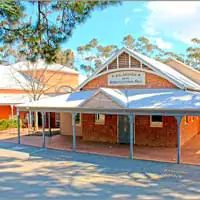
x: 3, y: 124
x: 8, y: 123
x: 12, y: 123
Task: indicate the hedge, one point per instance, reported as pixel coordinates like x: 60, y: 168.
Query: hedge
x: 8, y: 123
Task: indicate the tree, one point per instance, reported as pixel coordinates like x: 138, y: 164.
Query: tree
x: 92, y: 55
x: 41, y: 33
x: 193, y: 54
x: 128, y: 41
x: 65, y: 57
x: 38, y: 79
x: 144, y: 46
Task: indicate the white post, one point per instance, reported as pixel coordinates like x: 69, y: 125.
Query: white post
x: 11, y: 111
x: 129, y: 61
x: 131, y: 116
x: 179, y: 118
x: 30, y: 119
x: 18, y: 126
x: 74, y: 130
x: 49, y: 123
x: 43, y: 129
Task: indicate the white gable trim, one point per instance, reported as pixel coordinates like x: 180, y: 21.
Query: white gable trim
x: 156, y: 71
x: 104, y: 93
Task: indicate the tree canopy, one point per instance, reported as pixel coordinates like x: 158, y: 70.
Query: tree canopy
x: 38, y: 32
x: 93, y: 54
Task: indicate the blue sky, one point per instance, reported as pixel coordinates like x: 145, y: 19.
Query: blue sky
x: 170, y: 25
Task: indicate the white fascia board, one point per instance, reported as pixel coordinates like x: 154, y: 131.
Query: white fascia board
x: 184, y: 112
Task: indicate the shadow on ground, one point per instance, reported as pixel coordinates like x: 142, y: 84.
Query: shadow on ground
x: 53, y: 174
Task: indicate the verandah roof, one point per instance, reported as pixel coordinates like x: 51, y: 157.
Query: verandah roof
x: 140, y: 101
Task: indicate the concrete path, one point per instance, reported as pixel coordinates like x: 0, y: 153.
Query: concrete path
x: 35, y: 173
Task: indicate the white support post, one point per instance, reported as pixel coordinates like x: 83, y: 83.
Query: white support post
x: 74, y: 131
x: 129, y: 61
x: 30, y: 119
x: 179, y: 118
x: 140, y: 64
x: 49, y: 123
x: 131, y: 121
x: 43, y: 129
x: 12, y: 111
x: 18, y: 126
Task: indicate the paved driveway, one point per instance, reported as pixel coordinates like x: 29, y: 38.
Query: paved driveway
x: 34, y: 173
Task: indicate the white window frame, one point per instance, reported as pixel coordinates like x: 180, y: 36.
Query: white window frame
x: 100, y: 118
x: 157, y: 124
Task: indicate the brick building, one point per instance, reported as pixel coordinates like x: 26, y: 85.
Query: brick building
x: 17, y: 80
x: 131, y: 99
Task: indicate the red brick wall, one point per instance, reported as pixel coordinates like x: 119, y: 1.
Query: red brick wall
x: 155, y: 136
x: 98, y: 132
x: 152, y: 81
x: 5, y: 112
x: 190, y: 129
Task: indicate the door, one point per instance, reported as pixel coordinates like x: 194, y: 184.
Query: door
x: 123, y: 129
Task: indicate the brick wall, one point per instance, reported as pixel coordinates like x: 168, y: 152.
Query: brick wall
x: 66, y: 125
x: 190, y: 129
x: 145, y: 135
x: 152, y: 81
x: 98, y: 132
x: 155, y: 136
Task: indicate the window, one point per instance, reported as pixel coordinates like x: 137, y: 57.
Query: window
x: 156, y: 121
x: 64, y: 89
x: 78, y: 119
x: 57, y: 116
x: 99, y: 119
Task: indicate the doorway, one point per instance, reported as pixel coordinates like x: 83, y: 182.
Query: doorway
x: 123, y: 129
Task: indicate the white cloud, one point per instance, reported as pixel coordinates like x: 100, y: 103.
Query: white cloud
x: 162, y: 44
x: 127, y: 20
x: 177, y: 19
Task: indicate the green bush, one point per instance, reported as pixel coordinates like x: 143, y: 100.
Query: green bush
x: 8, y: 123
x: 12, y: 123
x: 3, y: 124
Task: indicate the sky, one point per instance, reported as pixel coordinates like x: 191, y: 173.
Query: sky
x: 169, y: 24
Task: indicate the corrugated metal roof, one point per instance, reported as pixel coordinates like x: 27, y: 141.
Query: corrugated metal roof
x: 11, y: 79
x: 25, y: 65
x: 149, y: 99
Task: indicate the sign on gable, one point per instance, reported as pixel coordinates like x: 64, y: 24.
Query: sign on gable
x: 126, y: 78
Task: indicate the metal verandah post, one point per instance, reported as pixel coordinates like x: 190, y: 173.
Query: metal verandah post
x: 43, y: 129
x: 131, y: 121
x: 18, y: 125
x: 179, y: 118
x: 30, y: 119
x: 74, y: 130
x: 49, y: 123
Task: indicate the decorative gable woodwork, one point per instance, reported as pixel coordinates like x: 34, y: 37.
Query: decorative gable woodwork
x: 124, y: 60
x: 135, y: 63
x: 100, y: 100
x: 113, y: 64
